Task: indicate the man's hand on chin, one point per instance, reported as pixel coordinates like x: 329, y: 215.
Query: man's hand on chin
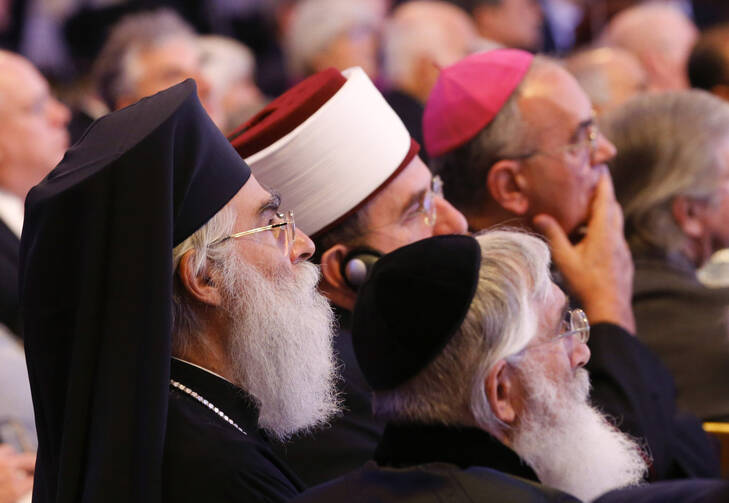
x: 599, y: 268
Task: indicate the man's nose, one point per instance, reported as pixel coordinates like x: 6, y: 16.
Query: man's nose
x: 580, y: 354
x: 302, y: 248
x: 448, y: 219
x: 604, y: 151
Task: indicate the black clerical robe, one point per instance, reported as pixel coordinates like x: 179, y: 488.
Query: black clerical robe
x: 206, y: 458
x: 418, y: 463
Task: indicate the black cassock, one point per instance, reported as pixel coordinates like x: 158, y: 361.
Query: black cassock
x: 417, y: 463
x: 206, y: 458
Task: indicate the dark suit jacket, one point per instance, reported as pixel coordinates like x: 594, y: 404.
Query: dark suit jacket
x: 9, y: 250
x: 207, y: 459
x: 685, y: 324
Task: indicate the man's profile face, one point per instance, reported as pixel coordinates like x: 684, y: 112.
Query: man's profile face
x: 256, y: 207
x: 160, y: 66
x: 716, y: 213
x: 33, y: 131
x: 561, y: 182
x: 556, y: 431
x: 393, y: 219
x: 276, y: 327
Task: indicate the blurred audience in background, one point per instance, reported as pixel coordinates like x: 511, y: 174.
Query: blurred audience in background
x: 420, y: 38
x: 663, y: 52
x: 676, y: 208
x: 508, y: 23
x: 708, y: 66
x: 230, y: 68
x: 33, y: 138
x: 333, y: 33
x: 609, y: 76
x: 146, y: 53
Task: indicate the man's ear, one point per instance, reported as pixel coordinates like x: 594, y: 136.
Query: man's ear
x: 688, y: 214
x: 200, y: 287
x: 506, y: 184
x: 333, y: 284
x: 503, y: 392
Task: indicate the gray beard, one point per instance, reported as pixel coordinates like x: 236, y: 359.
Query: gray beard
x: 280, y: 345
x: 570, y: 445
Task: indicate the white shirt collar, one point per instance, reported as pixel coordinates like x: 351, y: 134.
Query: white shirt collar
x: 11, y: 212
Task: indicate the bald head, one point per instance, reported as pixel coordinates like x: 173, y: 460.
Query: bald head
x: 609, y: 76
x: 33, y: 135
x: 663, y: 52
x: 421, y: 37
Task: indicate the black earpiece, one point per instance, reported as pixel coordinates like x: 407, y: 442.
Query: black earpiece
x: 357, y: 264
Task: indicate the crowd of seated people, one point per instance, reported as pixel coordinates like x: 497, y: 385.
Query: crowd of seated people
x: 364, y: 250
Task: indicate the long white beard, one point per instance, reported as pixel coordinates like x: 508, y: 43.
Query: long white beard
x: 569, y: 444
x: 281, y: 352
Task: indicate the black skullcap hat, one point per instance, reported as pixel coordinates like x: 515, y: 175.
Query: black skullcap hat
x: 96, y: 290
x: 414, y: 301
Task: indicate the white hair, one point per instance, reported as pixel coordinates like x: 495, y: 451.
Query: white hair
x: 225, y: 60
x: 514, y: 276
x: 186, y: 322
x: 114, y: 70
x: 568, y: 443
x: 673, y: 137
x: 278, y: 333
x: 317, y: 23
x: 424, y: 29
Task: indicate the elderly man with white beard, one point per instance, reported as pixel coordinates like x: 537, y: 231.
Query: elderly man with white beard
x: 173, y: 322
x: 475, y: 359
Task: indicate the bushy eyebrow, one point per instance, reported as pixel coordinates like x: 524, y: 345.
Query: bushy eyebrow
x: 273, y: 203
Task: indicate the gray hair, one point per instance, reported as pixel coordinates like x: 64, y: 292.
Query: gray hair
x: 501, y: 320
x: 112, y: 69
x: 667, y: 147
x: 316, y: 23
x: 185, y: 319
x: 465, y: 169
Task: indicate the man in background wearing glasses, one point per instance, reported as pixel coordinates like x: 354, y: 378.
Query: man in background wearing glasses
x: 339, y: 154
x: 514, y: 139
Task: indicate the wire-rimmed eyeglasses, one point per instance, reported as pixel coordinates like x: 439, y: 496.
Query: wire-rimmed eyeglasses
x: 574, y: 324
x: 284, y: 232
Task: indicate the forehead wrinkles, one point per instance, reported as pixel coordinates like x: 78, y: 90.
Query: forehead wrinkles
x: 552, y: 103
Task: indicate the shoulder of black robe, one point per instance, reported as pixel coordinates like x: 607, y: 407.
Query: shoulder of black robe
x: 431, y: 483
x: 96, y: 284
x: 673, y: 491
x: 208, y: 460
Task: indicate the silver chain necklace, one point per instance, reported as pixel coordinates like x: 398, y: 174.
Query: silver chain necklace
x: 206, y: 403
